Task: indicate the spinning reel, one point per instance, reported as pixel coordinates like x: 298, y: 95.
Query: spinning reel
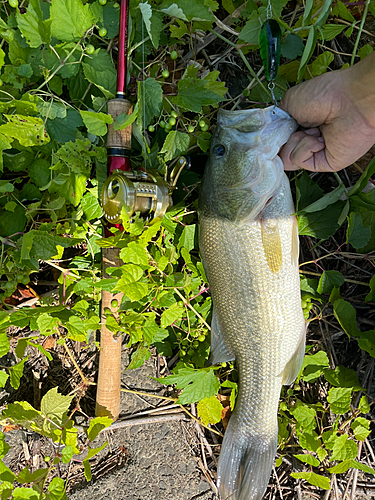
x: 143, y: 192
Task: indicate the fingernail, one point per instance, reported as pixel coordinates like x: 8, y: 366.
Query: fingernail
x: 321, y: 139
x: 312, y: 131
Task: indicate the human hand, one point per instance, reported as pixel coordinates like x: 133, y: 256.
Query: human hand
x: 337, y: 110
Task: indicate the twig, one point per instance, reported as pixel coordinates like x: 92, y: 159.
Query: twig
x: 84, y: 379
x: 143, y: 421
x: 172, y: 399
x: 355, y: 476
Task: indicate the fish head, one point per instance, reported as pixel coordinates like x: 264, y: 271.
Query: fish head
x: 243, y: 171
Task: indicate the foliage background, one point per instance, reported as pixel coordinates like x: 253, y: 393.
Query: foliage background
x: 57, y: 62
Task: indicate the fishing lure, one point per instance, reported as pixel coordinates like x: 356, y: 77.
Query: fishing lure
x: 270, y: 50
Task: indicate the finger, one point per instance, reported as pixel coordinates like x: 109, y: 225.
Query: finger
x: 314, y: 101
x: 299, y: 150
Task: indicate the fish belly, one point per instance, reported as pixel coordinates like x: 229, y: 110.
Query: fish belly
x: 253, y: 275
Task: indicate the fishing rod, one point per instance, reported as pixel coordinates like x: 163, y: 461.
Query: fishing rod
x: 118, y: 151
x: 141, y: 191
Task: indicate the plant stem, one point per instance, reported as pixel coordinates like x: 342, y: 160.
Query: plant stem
x: 360, y: 32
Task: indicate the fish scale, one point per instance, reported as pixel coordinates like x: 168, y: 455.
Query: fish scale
x: 249, y: 248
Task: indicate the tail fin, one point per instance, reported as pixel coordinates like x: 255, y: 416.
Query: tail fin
x: 245, y: 464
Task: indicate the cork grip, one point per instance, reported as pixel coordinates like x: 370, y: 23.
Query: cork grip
x: 109, y: 376
x: 119, y: 138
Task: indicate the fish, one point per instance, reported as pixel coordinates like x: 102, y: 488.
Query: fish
x: 248, y: 240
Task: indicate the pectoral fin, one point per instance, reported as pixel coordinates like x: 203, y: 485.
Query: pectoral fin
x: 293, y: 366
x: 272, y: 244
x: 219, y: 351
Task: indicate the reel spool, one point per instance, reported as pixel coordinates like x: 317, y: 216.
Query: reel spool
x: 143, y: 192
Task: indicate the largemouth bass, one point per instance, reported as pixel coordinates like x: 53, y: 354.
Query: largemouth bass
x: 249, y: 247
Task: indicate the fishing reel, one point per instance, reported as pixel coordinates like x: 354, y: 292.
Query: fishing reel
x: 144, y: 192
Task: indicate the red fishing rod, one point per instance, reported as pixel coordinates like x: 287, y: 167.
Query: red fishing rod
x: 118, y: 150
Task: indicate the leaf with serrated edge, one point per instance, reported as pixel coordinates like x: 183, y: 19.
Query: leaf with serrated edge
x: 70, y: 19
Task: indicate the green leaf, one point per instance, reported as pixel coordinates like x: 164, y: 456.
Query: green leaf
x: 324, y: 13
x: 344, y: 448
x: 194, y: 93
x: 250, y: 32
x: 99, y: 70
x: 4, y: 344
x: 97, y: 425
x: 357, y: 234
x: 187, y: 237
x: 123, y: 121
x: 339, y: 399
x: 313, y: 366
x: 209, y: 410
x: 92, y: 452
x: 292, y: 46
x: 320, y: 66
x: 25, y: 494
x: 321, y: 224
x: 342, y: 11
x: 308, y: 459
x: 47, y: 324
x: 96, y: 122
x: 346, y: 315
x: 91, y: 207
x: 314, y: 479
x: 16, y: 373
x: 307, y: 12
x: 32, y: 26
x: 3, y: 378
x: 307, y: 53
x: 350, y: 464
x: 65, y: 129
x: 325, y: 201
x: 187, y: 10
x: 153, y: 23
x: 172, y: 314
x: 331, y: 31
x: 150, y: 98
x: 361, y: 428
x: 364, y: 407
x: 365, y: 51
x: 141, y: 355
x: 196, y: 384
x: 135, y: 253
x: 111, y: 18
x: 175, y: 144
x: 54, y: 406
x: 56, y: 489
x: 363, y: 180
x: 42, y: 245
x: 305, y: 416
x: 70, y: 19
x: 178, y: 31
x: 67, y: 454
x: 28, y: 130
x: 329, y: 280
x: 307, y: 190
x: 343, y: 377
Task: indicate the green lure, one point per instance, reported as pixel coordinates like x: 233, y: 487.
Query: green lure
x: 270, y: 48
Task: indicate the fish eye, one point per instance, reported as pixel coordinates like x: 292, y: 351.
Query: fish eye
x: 219, y: 151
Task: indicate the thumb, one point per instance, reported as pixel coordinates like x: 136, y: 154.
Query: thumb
x: 305, y: 150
